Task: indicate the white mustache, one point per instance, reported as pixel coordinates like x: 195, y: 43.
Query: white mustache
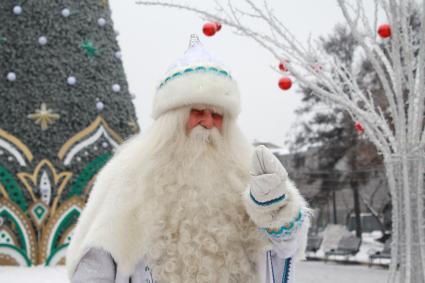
x: 199, y: 133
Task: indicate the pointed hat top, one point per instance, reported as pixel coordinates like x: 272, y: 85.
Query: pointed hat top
x: 195, y: 55
x: 194, y: 41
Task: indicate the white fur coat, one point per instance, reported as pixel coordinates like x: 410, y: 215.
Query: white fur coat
x: 111, y: 220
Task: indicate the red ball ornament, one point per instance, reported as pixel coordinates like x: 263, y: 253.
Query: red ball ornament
x: 285, y: 83
x: 384, y: 30
x: 209, y: 29
x: 282, y: 67
x: 359, y: 127
x: 217, y: 26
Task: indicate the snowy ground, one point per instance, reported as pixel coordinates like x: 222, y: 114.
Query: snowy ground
x: 332, y: 272
x: 307, y: 272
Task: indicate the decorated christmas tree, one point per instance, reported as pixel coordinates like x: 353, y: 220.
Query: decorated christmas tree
x: 64, y: 107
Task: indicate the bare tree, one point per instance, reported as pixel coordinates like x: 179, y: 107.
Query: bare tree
x: 397, y: 130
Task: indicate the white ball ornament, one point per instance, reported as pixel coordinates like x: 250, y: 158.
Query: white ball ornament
x: 11, y: 76
x: 100, y: 105
x: 17, y: 10
x: 101, y: 22
x: 118, y: 55
x: 66, y: 12
x: 71, y: 80
x: 42, y: 40
x: 133, y: 96
x: 116, y: 88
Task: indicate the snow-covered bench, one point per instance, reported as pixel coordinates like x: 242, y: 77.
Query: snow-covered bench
x: 384, y: 254
x: 347, y: 246
x: 313, y: 243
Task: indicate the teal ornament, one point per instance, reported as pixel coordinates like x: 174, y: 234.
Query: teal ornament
x: 89, y: 48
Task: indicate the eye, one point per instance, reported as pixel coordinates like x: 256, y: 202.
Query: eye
x: 217, y: 116
x: 197, y: 111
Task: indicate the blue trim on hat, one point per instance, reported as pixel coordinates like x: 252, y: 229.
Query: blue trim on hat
x: 195, y: 70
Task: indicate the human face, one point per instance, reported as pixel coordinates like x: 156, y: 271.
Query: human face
x: 206, y: 118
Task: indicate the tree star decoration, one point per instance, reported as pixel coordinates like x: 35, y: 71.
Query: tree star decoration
x: 89, y: 48
x: 44, y: 116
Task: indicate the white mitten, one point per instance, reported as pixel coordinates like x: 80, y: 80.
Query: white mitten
x: 268, y: 184
x: 271, y: 199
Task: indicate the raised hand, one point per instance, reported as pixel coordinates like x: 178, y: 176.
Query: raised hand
x: 268, y: 184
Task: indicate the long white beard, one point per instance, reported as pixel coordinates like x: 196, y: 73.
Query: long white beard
x: 196, y: 227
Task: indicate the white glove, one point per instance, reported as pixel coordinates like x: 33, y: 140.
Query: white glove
x: 268, y: 184
x: 271, y: 199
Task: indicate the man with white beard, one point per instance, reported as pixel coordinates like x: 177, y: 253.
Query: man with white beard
x: 191, y: 200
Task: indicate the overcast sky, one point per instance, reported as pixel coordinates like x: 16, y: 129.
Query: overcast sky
x: 152, y: 38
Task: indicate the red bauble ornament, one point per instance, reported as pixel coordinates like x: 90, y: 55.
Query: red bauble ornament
x: 282, y: 67
x: 384, y: 30
x: 359, y: 127
x: 209, y: 29
x: 217, y: 26
x: 285, y: 83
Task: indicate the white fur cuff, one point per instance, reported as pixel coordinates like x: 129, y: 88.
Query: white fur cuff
x: 277, y: 214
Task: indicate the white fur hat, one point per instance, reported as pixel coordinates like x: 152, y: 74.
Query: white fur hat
x: 197, y: 78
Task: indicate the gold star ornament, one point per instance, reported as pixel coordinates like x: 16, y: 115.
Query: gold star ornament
x: 44, y: 116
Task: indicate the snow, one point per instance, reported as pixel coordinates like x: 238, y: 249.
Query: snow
x: 331, y: 272
x: 33, y: 274
x: 316, y: 271
x: 306, y: 272
x: 369, y: 245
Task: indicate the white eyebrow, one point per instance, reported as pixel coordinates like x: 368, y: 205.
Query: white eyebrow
x: 214, y: 109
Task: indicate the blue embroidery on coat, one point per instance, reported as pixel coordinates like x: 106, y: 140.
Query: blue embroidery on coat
x: 285, y: 277
x: 271, y: 264
x: 287, y: 229
x: 149, y: 280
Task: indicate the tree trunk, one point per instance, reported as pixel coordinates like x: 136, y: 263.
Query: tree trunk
x: 354, y: 183
x: 406, y: 181
x: 334, y: 206
x: 354, y: 187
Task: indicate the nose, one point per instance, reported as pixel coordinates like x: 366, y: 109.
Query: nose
x: 207, y: 119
